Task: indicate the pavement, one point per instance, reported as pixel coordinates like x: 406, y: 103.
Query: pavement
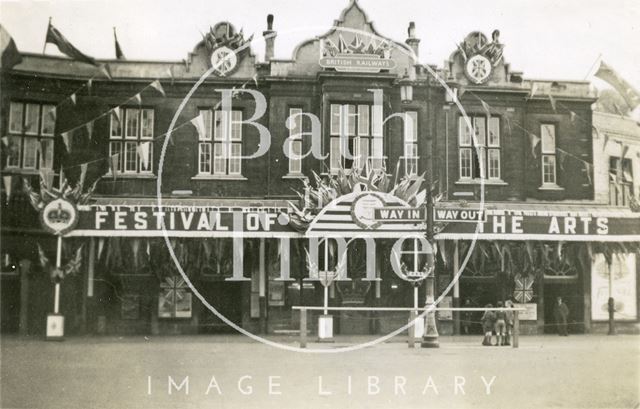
x: 579, y: 371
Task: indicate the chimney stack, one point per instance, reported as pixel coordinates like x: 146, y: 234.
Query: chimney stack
x: 412, y: 41
x: 269, y: 39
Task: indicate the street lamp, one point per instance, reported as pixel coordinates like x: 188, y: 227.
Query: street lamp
x: 406, y: 89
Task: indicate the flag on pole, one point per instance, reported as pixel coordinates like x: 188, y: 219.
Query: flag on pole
x: 73, y: 98
x: 90, y: 129
x: 66, y: 138
x: 552, y: 100
x: 10, y: 54
x: 198, y: 123
x: 119, y: 53
x: 534, y: 140
x: 158, y: 86
x: 7, y: 180
x: 629, y: 93
x: 55, y: 37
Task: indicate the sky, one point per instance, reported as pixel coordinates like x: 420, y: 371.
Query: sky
x: 546, y: 39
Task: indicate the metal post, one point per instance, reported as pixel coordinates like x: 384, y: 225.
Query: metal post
x: 303, y: 328
x: 411, y: 333
x: 326, y: 300
x: 516, y: 329
x: 56, y: 297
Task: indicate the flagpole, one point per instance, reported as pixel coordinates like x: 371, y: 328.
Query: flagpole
x: 593, y: 66
x: 44, y: 47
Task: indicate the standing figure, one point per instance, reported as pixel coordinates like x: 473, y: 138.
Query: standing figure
x: 561, y: 314
x: 510, y: 322
x: 501, y: 325
x: 488, y: 322
x: 466, y: 317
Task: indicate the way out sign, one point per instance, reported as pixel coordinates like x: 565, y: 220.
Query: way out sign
x: 459, y: 215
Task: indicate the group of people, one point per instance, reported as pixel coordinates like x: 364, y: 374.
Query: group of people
x: 500, y: 322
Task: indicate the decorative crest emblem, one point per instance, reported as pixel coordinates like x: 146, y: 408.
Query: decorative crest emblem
x: 480, y: 56
x: 221, y: 41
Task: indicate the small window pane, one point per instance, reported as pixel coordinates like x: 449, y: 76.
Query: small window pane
x: 133, y: 118
x: 147, y: 124
x: 494, y: 131
x: 206, y: 115
x: 114, y: 148
x: 351, y: 119
x: 235, y: 160
x: 411, y: 150
x: 548, y: 169
x: 219, y: 126
x: 15, y: 121
x: 236, y: 126
x: 494, y: 164
x: 46, y: 153
x: 219, y: 162
x: 130, y: 157
x: 296, y: 124
x: 464, y: 133
x: 295, y: 162
x: 548, y: 132
x: 116, y: 125
x: 204, y: 155
x: 48, y: 119
x: 30, y: 153
x: 363, y: 120
x: 362, y: 152
x: 31, y: 119
x: 479, y: 127
x: 411, y: 126
x: 465, y: 163
x: 335, y: 119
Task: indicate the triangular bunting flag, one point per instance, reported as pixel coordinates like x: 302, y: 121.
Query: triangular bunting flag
x: 143, y: 152
x: 606, y: 140
x: 100, y: 247
x: 90, y: 129
x: 89, y: 85
x: 561, y: 157
x: 7, y: 180
x: 73, y: 98
x: 534, y: 140
x: 255, y: 80
x: 66, y: 138
x: 587, y: 170
x: 625, y: 149
x: 52, y: 114
x: 138, y: 98
x: 552, y: 100
x: 158, y: 86
x: 5, y: 141
x: 508, y: 121
x: 461, y: 91
x: 106, y: 71
x: 170, y: 72
x: 83, y: 173
x: 198, y: 123
x: 573, y: 116
x: 116, y: 112
x: 486, y: 108
x: 534, y: 88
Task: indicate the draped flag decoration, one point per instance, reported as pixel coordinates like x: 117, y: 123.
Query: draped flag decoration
x: 630, y: 94
x: 170, y: 72
x: 55, y: 37
x: 143, y: 152
x: 552, y: 100
x: 10, y: 54
x: 158, y: 86
x: 624, y: 149
x: 198, y: 123
x: 7, y: 180
x: 116, y: 111
x: 534, y: 140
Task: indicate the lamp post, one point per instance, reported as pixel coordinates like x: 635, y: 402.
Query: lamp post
x: 430, y: 335
x: 406, y: 89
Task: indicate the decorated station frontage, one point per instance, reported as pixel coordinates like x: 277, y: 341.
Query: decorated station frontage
x: 101, y: 236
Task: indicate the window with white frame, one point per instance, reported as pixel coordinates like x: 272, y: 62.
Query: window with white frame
x: 30, y: 138
x: 548, y: 139
x: 220, y: 148
x: 351, y: 131
x: 411, y: 143
x: 295, y: 145
x: 620, y: 181
x: 480, y: 156
x: 131, y: 136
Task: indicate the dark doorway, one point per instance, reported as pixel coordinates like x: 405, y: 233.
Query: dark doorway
x: 479, y: 292
x: 226, y: 298
x: 570, y: 296
x: 10, y: 304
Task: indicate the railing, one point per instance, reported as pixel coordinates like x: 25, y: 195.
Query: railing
x: 412, y: 314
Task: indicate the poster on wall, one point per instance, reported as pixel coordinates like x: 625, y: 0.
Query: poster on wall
x: 530, y: 312
x: 276, y: 293
x: 623, y: 287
